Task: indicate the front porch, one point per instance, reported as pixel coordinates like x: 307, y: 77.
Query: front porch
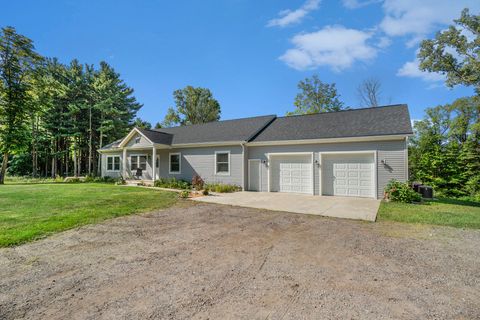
x: 140, y: 165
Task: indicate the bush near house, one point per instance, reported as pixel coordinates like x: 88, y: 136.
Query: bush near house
x: 173, y: 183
x: 222, y: 188
x: 197, y: 182
x: 401, y: 192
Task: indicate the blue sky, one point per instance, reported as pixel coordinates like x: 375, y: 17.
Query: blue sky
x: 251, y: 54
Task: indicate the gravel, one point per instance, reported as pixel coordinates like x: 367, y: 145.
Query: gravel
x: 205, y: 261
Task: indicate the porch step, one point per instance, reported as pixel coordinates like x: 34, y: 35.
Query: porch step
x: 139, y: 183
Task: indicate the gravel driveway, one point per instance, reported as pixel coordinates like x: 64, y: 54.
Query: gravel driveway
x: 206, y: 261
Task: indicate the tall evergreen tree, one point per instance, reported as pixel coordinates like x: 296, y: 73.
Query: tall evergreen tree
x: 17, y: 62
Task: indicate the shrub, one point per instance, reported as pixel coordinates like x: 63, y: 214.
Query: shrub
x: 172, y: 183
x: 90, y: 179
x: 120, y: 181
x: 197, y: 182
x: 205, y: 192
x: 401, y: 192
x: 223, y: 188
x: 184, y: 194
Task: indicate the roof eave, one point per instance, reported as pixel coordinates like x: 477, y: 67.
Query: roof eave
x: 332, y: 140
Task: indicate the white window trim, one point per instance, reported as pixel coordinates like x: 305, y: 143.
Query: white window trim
x: 113, y: 163
x: 179, y: 162
x: 229, y: 163
x: 138, y: 160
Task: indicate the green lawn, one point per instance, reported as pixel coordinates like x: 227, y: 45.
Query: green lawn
x: 444, y: 212
x: 30, y: 211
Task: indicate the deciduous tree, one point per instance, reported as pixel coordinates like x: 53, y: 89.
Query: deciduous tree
x: 316, y: 96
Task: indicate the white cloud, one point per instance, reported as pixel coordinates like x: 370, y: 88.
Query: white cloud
x: 334, y: 46
x: 384, y: 42
x: 288, y: 17
x: 416, y: 18
x: 410, y: 69
x: 355, y: 4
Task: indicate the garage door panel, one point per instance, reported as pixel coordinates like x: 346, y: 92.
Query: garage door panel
x: 292, y: 173
x: 353, y: 182
x: 348, y: 175
x: 352, y: 174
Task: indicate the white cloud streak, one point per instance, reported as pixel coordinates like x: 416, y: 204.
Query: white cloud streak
x: 355, y: 4
x: 416, y: 19
x: 334, y: 46
x: 288, y: 17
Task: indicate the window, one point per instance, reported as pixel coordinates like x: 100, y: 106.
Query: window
x: 138, y: 162
x: 113, y: 163
x: 175, y: 163
x: 137, y: 139
x: 222, y: 162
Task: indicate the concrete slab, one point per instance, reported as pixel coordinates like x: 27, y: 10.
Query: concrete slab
x: 339, y: 207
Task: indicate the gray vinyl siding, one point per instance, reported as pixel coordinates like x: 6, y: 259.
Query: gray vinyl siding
x: 394, y: 152
x: 201, y: 161
x: 142, y: 143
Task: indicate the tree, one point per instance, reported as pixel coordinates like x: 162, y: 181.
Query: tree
x: 369, y: 92
x: 142, y: 124
x: 193, y: 106
x: 316, y: 96
x: 445, y: 151
x: 17, y: 63
x: 455, y: 52
x: 158, y: 125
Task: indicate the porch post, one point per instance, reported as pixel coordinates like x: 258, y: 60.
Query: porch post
x: 124, y: 164
x: 154, y: 163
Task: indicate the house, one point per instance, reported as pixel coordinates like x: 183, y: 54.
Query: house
x: 345, y: 153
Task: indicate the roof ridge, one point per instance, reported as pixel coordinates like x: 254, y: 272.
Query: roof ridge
x: 346, y: 110
x: 226, y: 120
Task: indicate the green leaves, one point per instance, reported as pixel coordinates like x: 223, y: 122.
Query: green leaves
x: 316, y: 96
x: 18, y: 60
x: 193, y: 106
x: 455, y: 52
x: 445, y: 151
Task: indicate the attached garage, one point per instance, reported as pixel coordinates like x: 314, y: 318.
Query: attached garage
x: 291, y: 173
x: 348, y: 174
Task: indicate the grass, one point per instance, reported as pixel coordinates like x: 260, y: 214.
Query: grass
x: 32, y: 211
x: 443, y: 212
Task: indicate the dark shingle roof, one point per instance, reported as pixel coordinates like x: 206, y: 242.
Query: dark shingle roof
x: 218, y: 131
x: 157, y: 136
x: 112, y: 145
x: 387, y: 120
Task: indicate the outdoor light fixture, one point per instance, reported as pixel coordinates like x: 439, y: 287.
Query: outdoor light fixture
x: 384, y: 161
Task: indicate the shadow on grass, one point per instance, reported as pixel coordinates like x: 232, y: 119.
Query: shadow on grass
x: 456, y: 202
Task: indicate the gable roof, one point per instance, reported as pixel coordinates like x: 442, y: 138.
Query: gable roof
x: 377, y: 121
x: 157, y: 136
x: 236, y: 130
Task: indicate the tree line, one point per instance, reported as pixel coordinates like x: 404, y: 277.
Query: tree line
x: 54, y: 116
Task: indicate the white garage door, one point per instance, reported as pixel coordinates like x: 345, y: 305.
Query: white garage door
x: 349, y: 175
x: 292, y: 173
